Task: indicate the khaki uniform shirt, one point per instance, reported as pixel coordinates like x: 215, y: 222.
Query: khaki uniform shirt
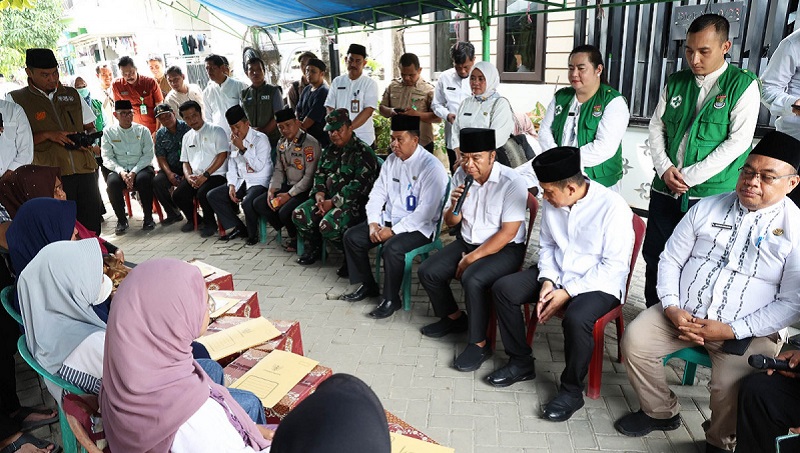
x: 418, y: 97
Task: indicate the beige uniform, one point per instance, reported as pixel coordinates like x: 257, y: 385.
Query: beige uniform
x: 419, y: 98
x: 296, y: 163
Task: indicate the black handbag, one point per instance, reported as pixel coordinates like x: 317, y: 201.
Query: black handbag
x: 516, y: 151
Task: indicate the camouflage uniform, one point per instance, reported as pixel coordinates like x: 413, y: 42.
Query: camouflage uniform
x: 345, y: 176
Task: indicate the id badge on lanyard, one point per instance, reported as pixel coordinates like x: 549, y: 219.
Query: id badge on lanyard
x: 142, y: 107
x: 411, y: 201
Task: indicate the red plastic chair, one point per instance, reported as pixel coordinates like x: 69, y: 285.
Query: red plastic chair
x: 156, y: 207
x: 491, y: 333
x: 596, y: 365
x: 82, y: 415
x: 194, y: 218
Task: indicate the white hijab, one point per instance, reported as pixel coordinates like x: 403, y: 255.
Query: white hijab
x: 56, y: 293
x: 492, y: 80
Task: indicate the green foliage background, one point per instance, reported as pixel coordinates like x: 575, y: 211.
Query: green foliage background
x: 23, y: 26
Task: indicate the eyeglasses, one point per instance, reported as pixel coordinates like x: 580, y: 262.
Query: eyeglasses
x: 748, y: 173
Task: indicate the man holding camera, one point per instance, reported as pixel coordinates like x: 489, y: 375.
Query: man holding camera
x: 59, y: 116
x: 128, y: 155
x: 727, y: 281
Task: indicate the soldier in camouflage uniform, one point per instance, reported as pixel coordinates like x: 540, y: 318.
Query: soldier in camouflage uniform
x: 345, y: 173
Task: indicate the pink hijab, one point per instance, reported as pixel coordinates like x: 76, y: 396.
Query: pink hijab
x: 151, y: 383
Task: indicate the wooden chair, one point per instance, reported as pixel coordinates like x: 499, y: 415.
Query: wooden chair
x: 596, y: 365
x: 82, y: 412
x: 68, y: 440
x: 423, y: 252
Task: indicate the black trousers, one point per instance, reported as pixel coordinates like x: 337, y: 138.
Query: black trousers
x: 664, y: 214
x: 226, y: 209
x: 161, y: 186
x: 282, y: 218
x: 581, y: 312
x: 429, y: 147
x: 84, y: 191
x: 184, y: 194
x: 143, y: 184
x: 768, y: 407
x: 9, y: 333
x: 436, y: 272
x: 451, y: 157
x: 356, y: 250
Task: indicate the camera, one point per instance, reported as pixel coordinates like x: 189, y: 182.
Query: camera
x: 82, y: 140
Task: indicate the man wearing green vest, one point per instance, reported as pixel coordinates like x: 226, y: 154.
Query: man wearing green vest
x: 55, y: 113
x: 700, y: 135
x: 589, y: 115
x: 260, y: 101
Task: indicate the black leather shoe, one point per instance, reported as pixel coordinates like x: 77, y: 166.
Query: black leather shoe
x: 310, y: 257
x: 361, y: 293
x: 237, y: 232
x: 342, y: 271
x: 171, y: 219
x: 148, y: 225
x: 385, y: 309
x: 208, y: 231
x: 187, y: 227
x: 512, y: 373
x: 446, y: 326
x: 562, y: 407
x: 714, y: 449
x: 640, y: 424
x: 122, y: 226
x: 251, y: 241
x: 472, y: 357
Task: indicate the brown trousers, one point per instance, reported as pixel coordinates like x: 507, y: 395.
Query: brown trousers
x: 651, y: 337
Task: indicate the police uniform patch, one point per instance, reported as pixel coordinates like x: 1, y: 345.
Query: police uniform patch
x: 719, y: 101
x: 597, y: 111
x: 298, y: 164
x: 309, y: 152
x: 676, y: 101
x: 559, y: 109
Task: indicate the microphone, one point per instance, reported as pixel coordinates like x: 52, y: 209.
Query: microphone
x: 762, y: 362
x: 467, y: 184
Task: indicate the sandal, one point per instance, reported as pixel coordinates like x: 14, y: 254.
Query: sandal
x: 26, y: 426
x: 29, y: 439
x: 290, y: 245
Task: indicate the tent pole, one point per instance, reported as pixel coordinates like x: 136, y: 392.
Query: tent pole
x: 484, y: 22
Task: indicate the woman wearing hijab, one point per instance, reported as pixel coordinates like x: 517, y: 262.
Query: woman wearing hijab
x: 38, y: 223
x: 155, y: 397
x: 343, y: 415
x: 35, y: 181
x: 588, y: 115
x: 484, y: 109
x: 57, y: 291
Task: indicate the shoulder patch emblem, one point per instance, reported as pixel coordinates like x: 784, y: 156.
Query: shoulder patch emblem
x: 676, y: 101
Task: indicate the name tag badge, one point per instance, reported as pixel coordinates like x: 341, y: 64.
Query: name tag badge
x: 355, y: 106
x: 411, y: 203
x: 722, y: 225
x: 467, y: 114
x: 451, y: 88
x: 143, y: 109
x: 341, y: 88
x: 265, y: 97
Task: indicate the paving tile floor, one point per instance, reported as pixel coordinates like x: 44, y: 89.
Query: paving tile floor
x: 412, y: 374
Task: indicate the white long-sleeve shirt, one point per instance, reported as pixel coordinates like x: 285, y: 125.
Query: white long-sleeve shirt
x: 742, y: 268
x: 780, y: 84
x: 254, y: 167
x: 208, y: 431
x: 474, y: 113
x: 450, y: 91
x: 219, y: 98
x: 16, y: 141
x: 587, y: 247
x: 421, y: 176
x: 609, y: 135
x: 501, y: 199
x: 743, y: 118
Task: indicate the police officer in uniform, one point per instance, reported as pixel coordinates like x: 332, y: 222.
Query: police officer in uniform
x: 295, y: 164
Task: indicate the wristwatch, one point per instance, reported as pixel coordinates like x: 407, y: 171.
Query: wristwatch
x: 206, y: 174
x: 242, y: 150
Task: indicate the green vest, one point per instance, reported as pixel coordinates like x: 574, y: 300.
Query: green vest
x: 610, y: 171
x: 707, y: 130
x: 64, y: 113
x: 257, y: 104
